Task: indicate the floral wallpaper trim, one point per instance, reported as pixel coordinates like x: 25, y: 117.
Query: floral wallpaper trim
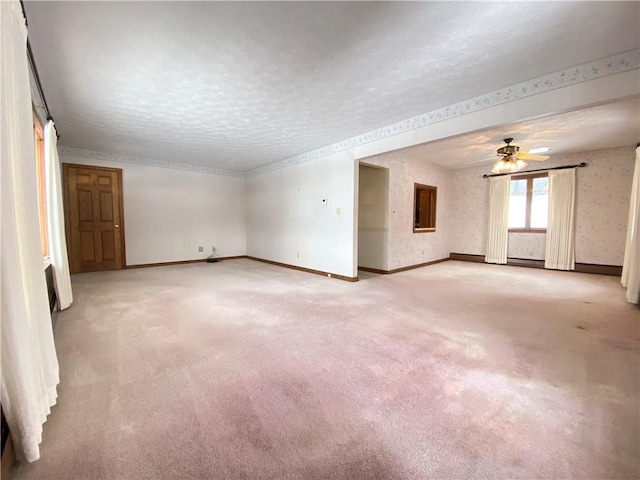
x: 619, y: 63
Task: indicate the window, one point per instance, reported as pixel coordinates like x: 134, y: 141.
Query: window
x: 529, y: 203
x: 38, y: 136
x: 424, y: 208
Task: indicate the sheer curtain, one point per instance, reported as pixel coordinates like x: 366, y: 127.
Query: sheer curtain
x: 631, y: 264
x: 55, y: 218
x: 498, y: 236
x: 29, y: 363
x: 560, y: 250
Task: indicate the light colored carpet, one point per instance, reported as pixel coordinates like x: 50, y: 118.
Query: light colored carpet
x: 245, y: 370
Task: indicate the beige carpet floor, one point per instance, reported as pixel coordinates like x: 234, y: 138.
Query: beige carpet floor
x: 242, y: 370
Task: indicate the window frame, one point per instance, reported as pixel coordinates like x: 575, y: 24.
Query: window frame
x: 38, y: 138
x: 529, y: 178
x: 433, y: 207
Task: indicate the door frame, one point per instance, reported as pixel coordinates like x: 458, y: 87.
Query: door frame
x: 67, y: 222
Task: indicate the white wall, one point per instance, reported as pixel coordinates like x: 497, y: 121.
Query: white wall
x: 288, y: 223
x: 602, y: 206
x: 405, y: 247
x: 169, y: 213
x: 373, y: 217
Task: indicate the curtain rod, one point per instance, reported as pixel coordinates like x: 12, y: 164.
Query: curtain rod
x: 583, y: 164
x: 34, y: 69
x: 37, y: 79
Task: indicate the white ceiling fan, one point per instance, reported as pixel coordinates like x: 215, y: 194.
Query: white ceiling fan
x: 512, y: 159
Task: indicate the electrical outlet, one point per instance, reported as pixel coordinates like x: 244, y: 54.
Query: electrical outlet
x: 213, y: 249
x: 201, y: 249
x: 297, y: 254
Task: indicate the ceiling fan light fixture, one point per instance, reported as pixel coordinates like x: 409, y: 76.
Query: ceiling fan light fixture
x: 520, y: 164
x: 507, y: 165
x: 511, y: 159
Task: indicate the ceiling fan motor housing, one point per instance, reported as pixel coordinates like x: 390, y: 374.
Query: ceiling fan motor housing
x: 508, y: 149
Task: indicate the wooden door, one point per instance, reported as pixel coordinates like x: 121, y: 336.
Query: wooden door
x: 93, y: 218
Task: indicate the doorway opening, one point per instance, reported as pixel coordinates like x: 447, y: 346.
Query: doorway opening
x: 373, y: 218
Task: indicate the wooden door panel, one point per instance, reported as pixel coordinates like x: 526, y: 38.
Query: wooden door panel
x: 83, y: 179
x: 85, y: 206
x: 108, y: 245
x: 93, y: 212
x: 87, y: 246
x: 104, y: 180
x: 106, y: 207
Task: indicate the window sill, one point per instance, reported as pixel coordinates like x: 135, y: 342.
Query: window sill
x: 527, y: 230
x: 422, y: 230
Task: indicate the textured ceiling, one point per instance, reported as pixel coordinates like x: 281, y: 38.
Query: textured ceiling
x: 238, y: 85
x: 607, y: 126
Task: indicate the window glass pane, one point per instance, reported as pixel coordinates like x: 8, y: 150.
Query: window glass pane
x: 540, y: 202
x: 518, y: 204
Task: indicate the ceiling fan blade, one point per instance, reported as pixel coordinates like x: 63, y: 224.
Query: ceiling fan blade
x: 538, y: 158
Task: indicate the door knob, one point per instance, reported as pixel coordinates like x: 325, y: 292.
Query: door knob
x: 117, y: 226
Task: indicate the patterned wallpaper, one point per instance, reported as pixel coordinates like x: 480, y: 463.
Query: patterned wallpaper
x: 602, y: 205
x: 405, y: 247
x: 469, y: 212
x: 527, y: 245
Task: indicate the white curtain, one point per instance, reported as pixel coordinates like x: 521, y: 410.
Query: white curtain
x: 29, y: 363
x: 498, y: 235
x: 55, y: 218
x: 560, y: 250
x: 631, y: 264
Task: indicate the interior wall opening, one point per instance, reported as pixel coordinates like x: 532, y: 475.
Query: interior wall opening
x: 373, y: 217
